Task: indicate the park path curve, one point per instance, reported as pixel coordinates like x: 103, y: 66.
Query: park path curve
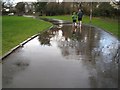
x: 64, y: 57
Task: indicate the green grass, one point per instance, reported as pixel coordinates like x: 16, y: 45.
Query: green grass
x: 109, y: 25
x: 17, y: 29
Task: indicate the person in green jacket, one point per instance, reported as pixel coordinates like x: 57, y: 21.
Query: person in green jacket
x: 74, y: 18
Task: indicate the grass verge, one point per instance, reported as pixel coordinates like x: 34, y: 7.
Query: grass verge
x: 16, y: 29
x: 109, y: 25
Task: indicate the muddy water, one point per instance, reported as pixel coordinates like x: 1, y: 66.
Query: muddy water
x: 64, y: 57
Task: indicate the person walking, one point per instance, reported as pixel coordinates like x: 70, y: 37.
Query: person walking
x: 80, y: 15
x: 74, y: 18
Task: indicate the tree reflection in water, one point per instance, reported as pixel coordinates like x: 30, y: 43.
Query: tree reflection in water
x: 45, y: 37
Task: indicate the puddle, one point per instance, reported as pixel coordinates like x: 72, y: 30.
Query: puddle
x: 64, y: 57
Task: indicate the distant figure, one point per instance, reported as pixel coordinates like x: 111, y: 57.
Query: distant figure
x: 80, y: 15
x: 74, y: 18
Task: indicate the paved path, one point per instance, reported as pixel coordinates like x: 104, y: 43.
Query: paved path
x: 64, y: 57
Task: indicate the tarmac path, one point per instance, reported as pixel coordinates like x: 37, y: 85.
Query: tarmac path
x: 64, y: 57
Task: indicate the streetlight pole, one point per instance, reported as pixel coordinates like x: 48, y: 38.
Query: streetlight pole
x: 91, y: 13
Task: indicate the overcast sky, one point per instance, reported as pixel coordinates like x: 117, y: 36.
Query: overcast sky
x: 21, y: 0
x: 25, y: 0
x: 16, y: 1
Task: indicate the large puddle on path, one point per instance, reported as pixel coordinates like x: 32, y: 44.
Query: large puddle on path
x: 64, y: 57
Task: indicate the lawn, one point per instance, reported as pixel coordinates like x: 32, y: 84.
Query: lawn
x: 16, y: 29
x: 109, y: 25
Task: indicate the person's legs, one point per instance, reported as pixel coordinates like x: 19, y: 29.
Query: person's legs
x: 80, y: 29
x: 79, y: 21
x: 74, y: 23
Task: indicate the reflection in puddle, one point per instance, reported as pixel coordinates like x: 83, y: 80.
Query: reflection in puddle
x: 12, y: 68
x: 65, y: 57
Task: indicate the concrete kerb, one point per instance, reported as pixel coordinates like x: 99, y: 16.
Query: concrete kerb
x: 21, y: 44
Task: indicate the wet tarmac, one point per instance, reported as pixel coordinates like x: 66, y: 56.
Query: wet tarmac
x: 65, y: 57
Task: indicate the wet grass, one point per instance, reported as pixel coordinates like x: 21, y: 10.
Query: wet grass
x: 16, y: 29
x: 109, y: 25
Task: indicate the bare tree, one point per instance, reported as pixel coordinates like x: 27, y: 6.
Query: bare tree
x: 20, y: 8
